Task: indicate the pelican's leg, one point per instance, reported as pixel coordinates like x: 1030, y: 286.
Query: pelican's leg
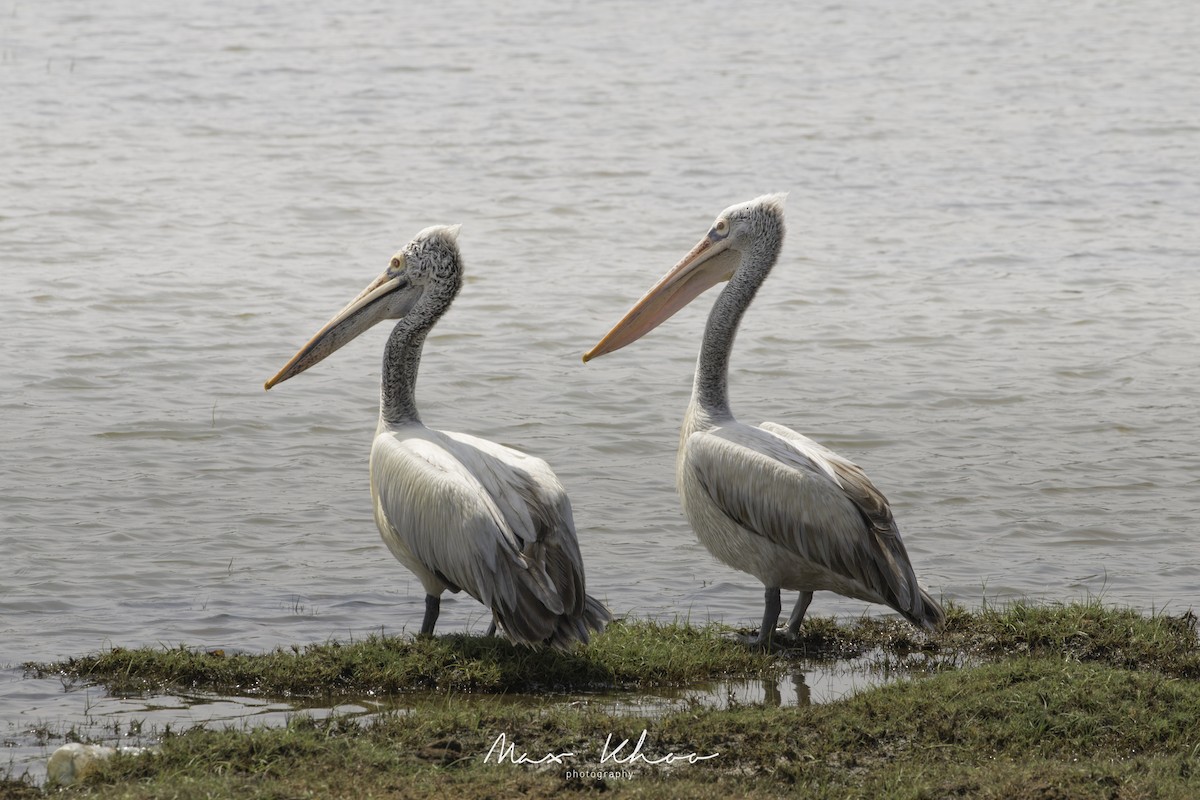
x: 797, y: 617
x: 433, y: 605
x: 491, y: 631
x: 770, y: 617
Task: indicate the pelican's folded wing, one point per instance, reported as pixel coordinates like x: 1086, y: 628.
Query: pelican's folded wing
x: 792, y: 493
x: 451, y: 523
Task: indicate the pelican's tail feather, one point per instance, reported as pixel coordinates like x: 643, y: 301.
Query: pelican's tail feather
x: 595, y: 615
x: 926, y: 613
x: 579, y: 627
x: 532, y: 623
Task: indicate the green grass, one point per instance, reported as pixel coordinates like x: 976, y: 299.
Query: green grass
x: 627, y: 655
x: 645, y: 654
x: 1025, y: 701
x: 1084, y: 631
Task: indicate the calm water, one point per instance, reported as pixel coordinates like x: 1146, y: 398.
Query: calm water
x: 988, y: 297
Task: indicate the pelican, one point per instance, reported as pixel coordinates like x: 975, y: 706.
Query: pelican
x: 462, y: 513
x: 766, y: 500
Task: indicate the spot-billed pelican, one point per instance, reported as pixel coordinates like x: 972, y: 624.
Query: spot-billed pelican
x: 462, y: 513
x: 766, y: 500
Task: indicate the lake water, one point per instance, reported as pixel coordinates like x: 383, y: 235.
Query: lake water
x: 988, y: 297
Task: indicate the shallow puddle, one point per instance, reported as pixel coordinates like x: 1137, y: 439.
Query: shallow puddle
x: 808, y: 684
x: 54, y: 715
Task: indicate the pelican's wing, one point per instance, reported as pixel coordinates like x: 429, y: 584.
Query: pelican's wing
x: 525, y: 489
x: 854, y: 482
x: 530, y: 495
x: 486, y: 521
x: 803, y: 497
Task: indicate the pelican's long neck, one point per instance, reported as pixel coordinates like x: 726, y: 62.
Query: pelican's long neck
x: 402, y: 359
x: 710, y: 390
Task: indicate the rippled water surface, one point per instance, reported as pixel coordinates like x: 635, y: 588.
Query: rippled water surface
x: 988, y: 297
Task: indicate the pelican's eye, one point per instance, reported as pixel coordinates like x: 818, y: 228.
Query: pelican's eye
x: 721, y: 226
x: 395, y: 263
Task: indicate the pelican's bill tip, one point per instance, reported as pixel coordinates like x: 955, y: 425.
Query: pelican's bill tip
x: 275, y: 379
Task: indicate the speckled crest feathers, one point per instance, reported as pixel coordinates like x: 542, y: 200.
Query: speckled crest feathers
x: 433, y: 253
x: 768, y: 202
x: 758, y: 223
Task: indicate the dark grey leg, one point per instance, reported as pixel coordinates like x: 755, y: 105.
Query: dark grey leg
x: 432, y: 606
x: 797, y: 617
x: 491, y: 631
x: 771, y: 611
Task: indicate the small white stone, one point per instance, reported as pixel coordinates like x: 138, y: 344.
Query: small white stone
x: 72, y: 762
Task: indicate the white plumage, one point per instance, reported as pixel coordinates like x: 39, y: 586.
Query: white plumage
x: 508, y: 537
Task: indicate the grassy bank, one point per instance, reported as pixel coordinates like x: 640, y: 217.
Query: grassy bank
x: 1018, y: 702
x: 627, y: 656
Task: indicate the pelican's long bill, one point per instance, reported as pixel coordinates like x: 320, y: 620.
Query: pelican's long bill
x: 709, y: 262
x: 387, y: 297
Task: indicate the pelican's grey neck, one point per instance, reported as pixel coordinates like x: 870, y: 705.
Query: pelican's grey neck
x: 402, y: 354
x: 401, y: 360
x: 710, y: 390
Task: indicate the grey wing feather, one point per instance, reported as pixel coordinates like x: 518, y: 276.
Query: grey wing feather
x: 496, y: 523
x: 775, y: 483
x: 869, y: 501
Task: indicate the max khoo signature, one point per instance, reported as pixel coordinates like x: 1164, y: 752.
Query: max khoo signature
x: 610, y: 753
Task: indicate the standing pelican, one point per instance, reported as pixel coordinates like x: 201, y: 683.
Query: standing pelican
x: 766, y: 500
x: 461, y: 513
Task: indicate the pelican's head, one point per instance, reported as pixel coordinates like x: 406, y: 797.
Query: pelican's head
x: 738, y: 229
x: 426, y: 273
